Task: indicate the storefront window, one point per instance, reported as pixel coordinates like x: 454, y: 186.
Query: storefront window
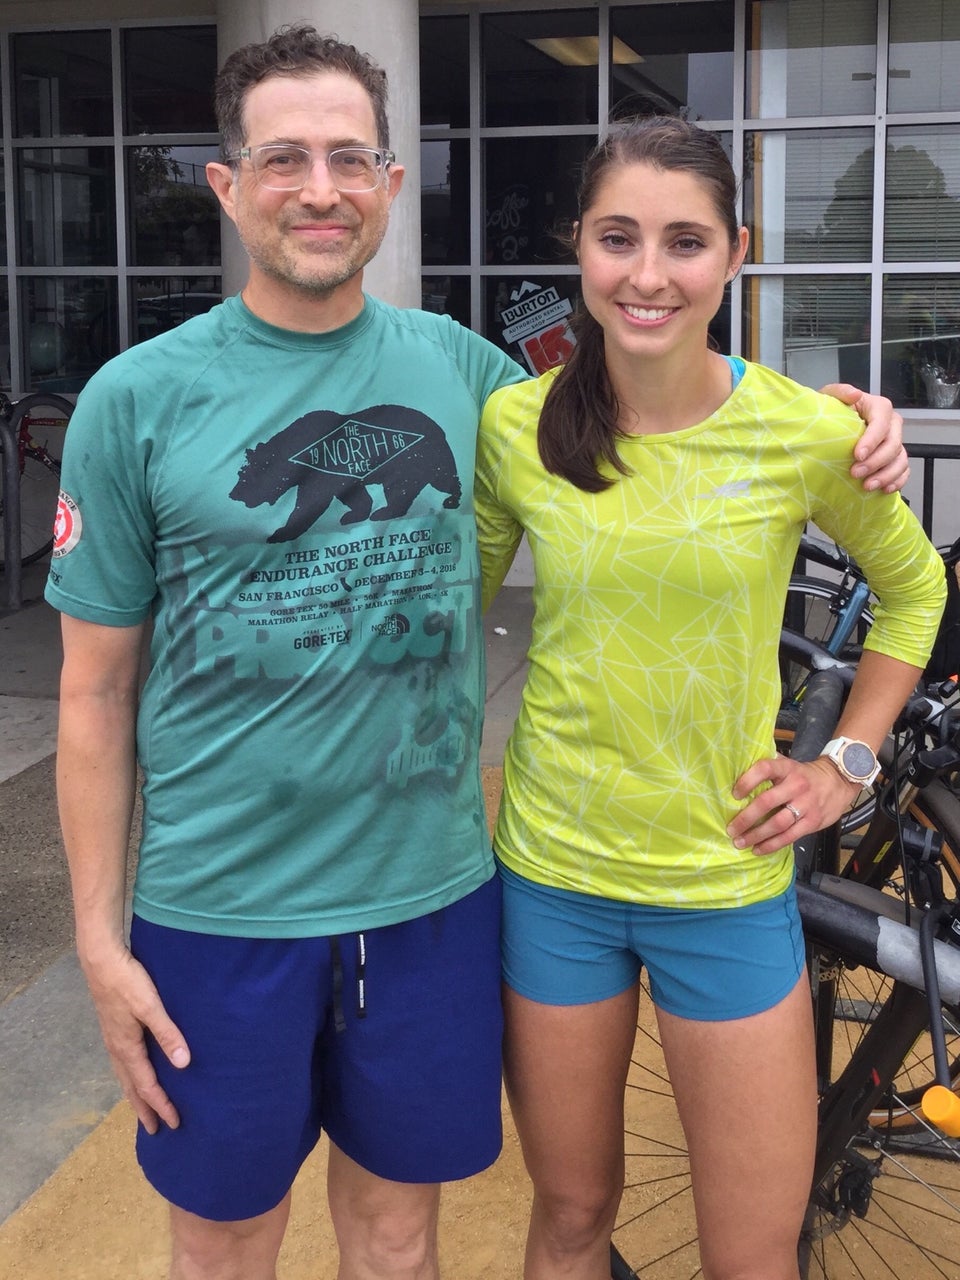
x: 922, y: 197
x: 445, y: 202
x: 811, y: 58
x: 808, y: 195
x: 924, y: 56
x: 62, y: 84
x: 445, y: 72
x: 176, y: 216
x: 168, y: 79
x: 447, y: 296
x: 76, y: 209
x: 670, y: 57
x: 540, y: 68
x: 815, y: 328
x: 530, y: 198
x: 921, y: 340
x: 66, y: 201
x: 853, y: 210
x: 159, y: 303
x: 70, y: 329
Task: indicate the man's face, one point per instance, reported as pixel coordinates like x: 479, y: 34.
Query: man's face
x: 316, y: 240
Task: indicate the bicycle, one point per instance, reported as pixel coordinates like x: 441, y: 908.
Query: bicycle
x: 827, y: 621
x: 39, y: 421
x: 885, y: 1200
x: 838, y: 612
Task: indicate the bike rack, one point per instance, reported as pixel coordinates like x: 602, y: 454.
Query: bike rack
x: 930, y: 453
x: 12, y: 569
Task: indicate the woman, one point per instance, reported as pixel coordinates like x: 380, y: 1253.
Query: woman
x: 646, y: 819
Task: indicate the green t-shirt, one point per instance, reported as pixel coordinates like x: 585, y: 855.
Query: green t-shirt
x: 653, y: 679
x: 295, y: 513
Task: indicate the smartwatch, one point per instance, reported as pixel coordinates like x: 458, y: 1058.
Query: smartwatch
x: 853, y: 759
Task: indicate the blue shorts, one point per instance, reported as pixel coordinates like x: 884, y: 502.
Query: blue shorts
x: 565, y: 948
x: 389, y: 1040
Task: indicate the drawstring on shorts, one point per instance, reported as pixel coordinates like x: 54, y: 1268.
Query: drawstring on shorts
x: 361, y: 976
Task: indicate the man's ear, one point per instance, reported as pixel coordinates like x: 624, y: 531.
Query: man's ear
x: 395, y: 175
x: 222, y: 180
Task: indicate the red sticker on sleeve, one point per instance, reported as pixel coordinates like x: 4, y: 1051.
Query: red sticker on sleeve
x: 67, y: 526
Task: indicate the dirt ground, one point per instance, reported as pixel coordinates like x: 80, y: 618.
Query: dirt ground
x: 97, y: 1219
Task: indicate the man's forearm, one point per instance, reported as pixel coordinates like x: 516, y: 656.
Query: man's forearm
x: 96, y: 787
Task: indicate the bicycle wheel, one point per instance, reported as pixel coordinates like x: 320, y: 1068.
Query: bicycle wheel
x: 909, y: 1194
x: 935, y: 808
x: 45, y: 417
x: 657, y: 1202
x: 889, y: 1205
x: 814, y: 608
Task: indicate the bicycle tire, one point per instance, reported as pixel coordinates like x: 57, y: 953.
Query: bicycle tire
x: 912, y: 1192
x: 812, y: 608
x: 40, y: 477
x: 888, y: 1206
x: 911, y: 1226
x: 937, y: 808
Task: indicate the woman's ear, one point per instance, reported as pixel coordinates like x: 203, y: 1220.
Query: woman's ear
x: 739, y: 253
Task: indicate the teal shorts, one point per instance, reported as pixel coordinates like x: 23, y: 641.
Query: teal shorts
x: 565, y: 948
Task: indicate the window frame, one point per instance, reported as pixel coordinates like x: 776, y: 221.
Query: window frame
x: 123, y: 273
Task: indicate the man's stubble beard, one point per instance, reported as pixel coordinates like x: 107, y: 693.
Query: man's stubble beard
x: 292, y: 270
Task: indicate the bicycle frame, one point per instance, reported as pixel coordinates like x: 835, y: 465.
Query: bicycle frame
x: 845, y: 916
x: 853, y: 588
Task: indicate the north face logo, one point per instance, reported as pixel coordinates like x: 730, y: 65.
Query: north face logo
x: 355, y: 448
x: 392, y: 454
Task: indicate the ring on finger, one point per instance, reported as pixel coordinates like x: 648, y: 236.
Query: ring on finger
x: 797, y: 815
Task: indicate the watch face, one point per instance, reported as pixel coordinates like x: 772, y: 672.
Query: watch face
x: 858, y: 759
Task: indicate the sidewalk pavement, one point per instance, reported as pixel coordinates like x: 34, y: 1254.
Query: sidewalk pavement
x: 56, y: 1086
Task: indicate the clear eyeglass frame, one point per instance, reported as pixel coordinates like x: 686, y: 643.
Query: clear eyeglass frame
x: 351, y: 168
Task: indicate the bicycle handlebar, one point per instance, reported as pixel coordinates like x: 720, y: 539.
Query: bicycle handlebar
x: 800, y: 648
x: 859, y: 921
x: 828, y: 554
x: 819, y: 712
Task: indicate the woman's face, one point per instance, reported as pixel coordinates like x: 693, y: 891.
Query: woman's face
x: 655, y: 257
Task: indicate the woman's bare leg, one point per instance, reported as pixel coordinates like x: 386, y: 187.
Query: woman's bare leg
x: 566, y: 1069
x: 747, y: 1096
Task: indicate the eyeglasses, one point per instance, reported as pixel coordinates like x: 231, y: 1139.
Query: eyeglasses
x: 283, y: 167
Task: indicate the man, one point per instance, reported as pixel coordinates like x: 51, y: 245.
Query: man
x: 283, y: 488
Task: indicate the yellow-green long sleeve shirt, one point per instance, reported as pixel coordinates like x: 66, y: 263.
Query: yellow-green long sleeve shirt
x: 653, y: 678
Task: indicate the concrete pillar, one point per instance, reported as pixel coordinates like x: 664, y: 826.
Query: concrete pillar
x: 387, y: 30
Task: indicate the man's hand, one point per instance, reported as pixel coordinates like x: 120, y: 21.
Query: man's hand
x: 881, y: 461
x: 127, y: 1004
